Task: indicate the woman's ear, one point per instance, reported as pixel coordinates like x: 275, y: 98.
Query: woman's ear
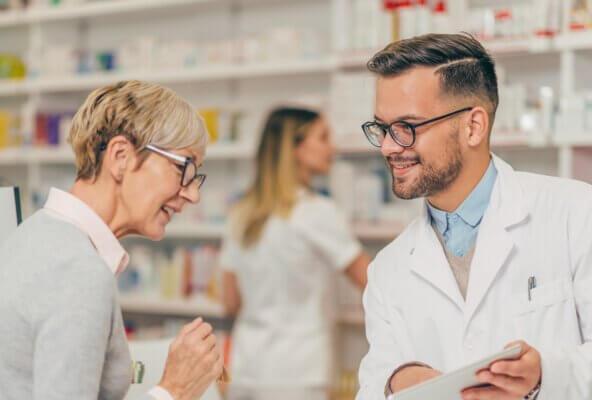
x: 119, y: 155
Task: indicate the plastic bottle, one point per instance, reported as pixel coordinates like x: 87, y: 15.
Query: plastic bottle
x: 407, y: 19
x: 423, y: 16
x: 441, y: 22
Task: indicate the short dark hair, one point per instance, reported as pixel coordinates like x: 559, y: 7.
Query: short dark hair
x: 465, y: 67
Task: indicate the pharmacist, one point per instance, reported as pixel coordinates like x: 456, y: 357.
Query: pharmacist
x: 284, y: 244
x: 498, y: 256
x: 137, y: 148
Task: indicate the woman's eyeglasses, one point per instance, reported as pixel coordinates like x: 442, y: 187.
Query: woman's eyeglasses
x: 186, y: 166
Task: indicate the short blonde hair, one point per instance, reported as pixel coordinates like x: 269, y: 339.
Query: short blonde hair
x: 145, y: 113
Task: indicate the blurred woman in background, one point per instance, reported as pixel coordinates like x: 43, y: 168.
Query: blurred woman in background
x: 283, y: 243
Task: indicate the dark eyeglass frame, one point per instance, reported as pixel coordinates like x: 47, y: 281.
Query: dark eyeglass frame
x: 181, y: 161
x: 388, y: 127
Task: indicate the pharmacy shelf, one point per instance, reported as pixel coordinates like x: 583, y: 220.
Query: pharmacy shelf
x: 230, y: 151
x: 581, y: 140
x: 517, y: 46
x: 358, y: 145
x: 356, y: 59
x: 202, y: 307
x: 352, y: 144
x: 79, y: 83
x: 196, y: 230
x: 64, y: 155
x: 518, y: 140
x: 26, y: 155
x: 14, y: 87
x: 367, y: 231
x: 193, y: 307
x: 378, y: 231
x: 348, y: 145
x: 574, y: 41
x: 88, y: 10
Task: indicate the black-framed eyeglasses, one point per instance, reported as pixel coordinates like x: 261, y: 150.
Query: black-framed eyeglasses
x: 402, y: 132
x: 186, y: 166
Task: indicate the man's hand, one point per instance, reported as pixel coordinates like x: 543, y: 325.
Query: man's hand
x: 509, y: 380
x: 411, y: 376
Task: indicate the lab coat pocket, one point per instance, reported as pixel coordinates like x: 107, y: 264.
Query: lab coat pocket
x: 549, y: 313
x: 549, y: 294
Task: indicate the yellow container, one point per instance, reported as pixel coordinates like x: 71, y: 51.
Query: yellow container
x: 11, y: 67
x: 4, y: 129
x: 211, y: 117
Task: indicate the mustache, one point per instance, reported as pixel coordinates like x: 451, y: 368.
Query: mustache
x: 395, y: 159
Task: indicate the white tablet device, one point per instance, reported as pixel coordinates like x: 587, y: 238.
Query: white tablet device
x: 10, y: 211
x: 448, y: 386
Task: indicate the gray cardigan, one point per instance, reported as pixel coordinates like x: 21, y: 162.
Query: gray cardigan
x: 61, y: 330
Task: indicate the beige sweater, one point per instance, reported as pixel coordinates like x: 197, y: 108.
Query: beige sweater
x: 461, y: 266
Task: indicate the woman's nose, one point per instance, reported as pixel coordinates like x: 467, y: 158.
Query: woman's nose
x: 191, y: 193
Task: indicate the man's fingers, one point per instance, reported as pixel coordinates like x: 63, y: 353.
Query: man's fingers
x: 516, y: 369
x: 487, y: 393
x: 524, y: 347
x: 505, y: 382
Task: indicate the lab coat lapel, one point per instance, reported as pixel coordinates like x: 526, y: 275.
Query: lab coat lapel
x: 429, y: 262
x: 494, y: 241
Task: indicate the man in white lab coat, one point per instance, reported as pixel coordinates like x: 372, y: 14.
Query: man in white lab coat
x: 497, y: 256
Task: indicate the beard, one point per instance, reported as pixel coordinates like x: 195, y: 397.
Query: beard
x: 432, y: 179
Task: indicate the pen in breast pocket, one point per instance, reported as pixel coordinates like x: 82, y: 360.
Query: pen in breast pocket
x: 531, y: 285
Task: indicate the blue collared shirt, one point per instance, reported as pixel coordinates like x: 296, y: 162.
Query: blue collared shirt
x: 459, y: 228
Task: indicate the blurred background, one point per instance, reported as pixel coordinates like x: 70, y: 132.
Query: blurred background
x: 234, y: 60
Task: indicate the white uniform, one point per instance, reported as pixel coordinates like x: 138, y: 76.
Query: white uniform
x: 282, y: 336
x: 535, y: 226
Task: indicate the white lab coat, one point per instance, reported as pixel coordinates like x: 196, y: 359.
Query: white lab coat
x: 534, y: 226
x: 282, y: 335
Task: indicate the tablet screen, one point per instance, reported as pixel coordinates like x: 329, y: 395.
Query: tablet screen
x: 449, y: 385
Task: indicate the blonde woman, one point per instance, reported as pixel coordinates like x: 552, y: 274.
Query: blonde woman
x: 283, y: 244
x: 138, y: 148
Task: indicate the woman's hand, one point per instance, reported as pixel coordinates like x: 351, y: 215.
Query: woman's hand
x: 193, y: 363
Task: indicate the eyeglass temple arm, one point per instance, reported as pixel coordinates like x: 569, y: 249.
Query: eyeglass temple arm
x: 441, y: 117
x: 172, y: 156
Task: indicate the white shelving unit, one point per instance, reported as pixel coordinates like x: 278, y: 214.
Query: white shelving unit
x: 202, y: 307
x: 539, y: 61
x: 383, y: 232
x: 581, y: 140
x: 90, y: 10
x: 573, y: 41
x: 197, y: 230
x: 365, y: 231
x: 190, y: 307
x: 340, y: 58
x: 202, y: 74
x: 64, y: 155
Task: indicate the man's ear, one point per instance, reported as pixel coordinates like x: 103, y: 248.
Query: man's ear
x: 477, y: 127
x: 119, y: 155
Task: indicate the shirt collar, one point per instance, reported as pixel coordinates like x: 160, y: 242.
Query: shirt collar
x: 473, y: 207
x: 439, y: 217
x: 70, y: 208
